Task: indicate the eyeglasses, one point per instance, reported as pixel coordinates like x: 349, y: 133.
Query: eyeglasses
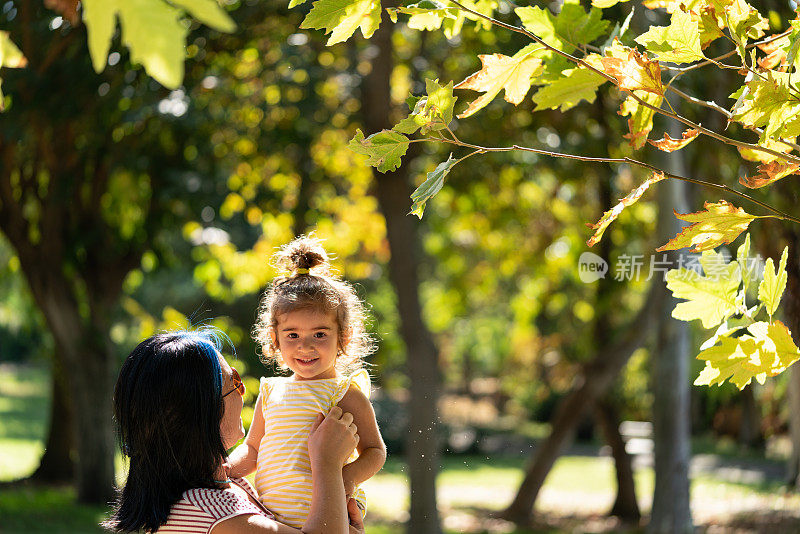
x: 238, y: 385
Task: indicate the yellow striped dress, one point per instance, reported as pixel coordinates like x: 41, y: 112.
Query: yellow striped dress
x: 283, y: 471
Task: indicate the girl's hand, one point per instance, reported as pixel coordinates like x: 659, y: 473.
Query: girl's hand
x: 332, y: 438
x: 356, y: 521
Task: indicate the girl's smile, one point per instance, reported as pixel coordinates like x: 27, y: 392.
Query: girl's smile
x: 308, y: 341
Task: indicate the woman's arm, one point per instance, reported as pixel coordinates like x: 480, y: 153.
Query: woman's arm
x: 371, y: 449
x: 243, y: 459
x: 330, y: 442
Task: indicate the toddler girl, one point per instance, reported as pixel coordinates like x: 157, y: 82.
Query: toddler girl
x: 312, y: 323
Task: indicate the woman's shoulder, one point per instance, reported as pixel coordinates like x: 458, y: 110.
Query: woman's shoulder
x: 220, y: 503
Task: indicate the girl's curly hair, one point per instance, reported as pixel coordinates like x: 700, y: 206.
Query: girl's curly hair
x: 309, y: 284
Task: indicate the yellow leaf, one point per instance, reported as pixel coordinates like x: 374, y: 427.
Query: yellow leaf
x: 635, y: 73
x: 719, y: 224
x: 668, y: 144
x: 771, y: 288
x: 764, y: 157
x: 640, y: 122
x: 501, y: 72
x: 612, y: 214
x: 711, y: 297
x: 739, y: 359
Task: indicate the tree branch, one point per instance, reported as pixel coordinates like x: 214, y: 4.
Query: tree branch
x: 482, y: 149
x: 642, y: 102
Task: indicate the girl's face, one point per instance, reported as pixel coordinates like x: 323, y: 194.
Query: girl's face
x: 308, y: 341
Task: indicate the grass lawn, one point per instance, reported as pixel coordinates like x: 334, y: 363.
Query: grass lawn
x: 579, y: 490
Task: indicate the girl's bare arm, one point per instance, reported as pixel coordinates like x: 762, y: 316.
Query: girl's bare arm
x: 244, y: 457
x: 371, y: 449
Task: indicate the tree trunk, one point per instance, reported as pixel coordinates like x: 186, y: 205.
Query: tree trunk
x: 89, y: 367
x: 791, y: 309
x: 750, y: 428
x: 57, y: 465
x: 625, y: 506
x: 593, y: 382
x: 671, y: 418
x: 393, y: 191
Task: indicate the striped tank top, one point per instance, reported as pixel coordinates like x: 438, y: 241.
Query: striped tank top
x: 283, y: 471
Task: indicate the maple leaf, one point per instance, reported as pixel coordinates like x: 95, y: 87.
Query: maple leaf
x: 432, y: 185
x: 640, y: 122
x: 611, y: 215
x: 384, y: 148
x: 572, y: 27
x: 153, y: 30
x: 711, y: 297
x: 501, y: 72
x: 739, y: 359
x: 341, y: 18
x: 432, y: 112
x: 440, y: 101
x: 636, y: 73
x: 771, y: 288
x: 575, y: 85
x: 719, y: 224
x: 677, y: 43
x: 769, y: 173
x: 668, y: 144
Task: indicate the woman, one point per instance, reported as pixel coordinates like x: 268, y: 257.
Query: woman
x: 178, y: 406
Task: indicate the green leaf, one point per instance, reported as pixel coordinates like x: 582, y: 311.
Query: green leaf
x: 677, y: 43
x: 566, y: 92
x: 431, y: 112
x: 384, y: 148
x: 341, y: 18
x: 571, y: 28
x: 100, y: 19
x: 440, y: 100
x: 771, y: 288
x: 719, y: 224
x: 10, y: 56
x: 711, y: 297
x: 209, y: 13
x: 153, y: 32
x: 151, y: 29
x: 779, y: 339
x: 428, y: 14
x: 294, y: 3
x: 432, y: 185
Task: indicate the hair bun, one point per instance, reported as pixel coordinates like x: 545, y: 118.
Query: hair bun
x: 304, y: 253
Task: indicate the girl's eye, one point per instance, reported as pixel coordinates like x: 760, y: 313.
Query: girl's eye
x: 319, y: 335
x: 292, y: 335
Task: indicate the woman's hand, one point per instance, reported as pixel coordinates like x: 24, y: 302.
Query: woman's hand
x: 332, y: 439
x: 356, y: 520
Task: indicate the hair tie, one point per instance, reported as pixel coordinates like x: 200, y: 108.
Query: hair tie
x: 301, y: 271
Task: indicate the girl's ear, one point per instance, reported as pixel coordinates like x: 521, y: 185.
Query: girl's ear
x: 273, y: 338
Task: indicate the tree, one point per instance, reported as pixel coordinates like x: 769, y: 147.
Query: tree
x: 85, y: 186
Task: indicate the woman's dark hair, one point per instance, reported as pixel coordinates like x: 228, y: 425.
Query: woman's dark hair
x: 168, y: 407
